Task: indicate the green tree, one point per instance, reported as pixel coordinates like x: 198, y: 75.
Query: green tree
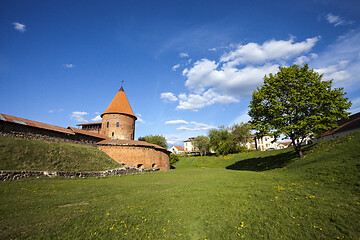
x: 155, y: 139
x: 221, y: 141
x: 201, y: 144
x: 241, y: 133
x: 174, y: 158
x: 297, y: 103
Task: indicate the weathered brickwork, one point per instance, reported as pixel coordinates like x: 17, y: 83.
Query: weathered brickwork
x: 138, y: 156
x: 28, y: 132
x: 120, y: 126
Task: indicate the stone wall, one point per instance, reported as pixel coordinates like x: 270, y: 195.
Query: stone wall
x: 139, y: 156
x: 23, y: 131
x: 8, y: 175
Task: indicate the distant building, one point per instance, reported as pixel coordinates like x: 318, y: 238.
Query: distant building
x: 283, y: 145
x: 346, y: 126
x: 188, y: 145
x: 264, y: 143
x: 177, y: 150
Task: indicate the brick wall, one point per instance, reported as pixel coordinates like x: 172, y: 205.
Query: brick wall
x: 138, y: 156
x: 23, y: 131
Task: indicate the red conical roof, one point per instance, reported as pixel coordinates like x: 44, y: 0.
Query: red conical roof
x: 120, y: 104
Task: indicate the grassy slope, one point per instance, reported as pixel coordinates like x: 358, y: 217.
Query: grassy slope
x: 258, y: 195
x: 23, y: 154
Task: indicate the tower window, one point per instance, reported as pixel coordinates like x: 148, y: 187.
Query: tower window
x: 117, y: 124
x: 113, y: 134
x: 107, y: 124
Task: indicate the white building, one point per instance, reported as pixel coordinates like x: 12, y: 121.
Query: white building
x: 188, y: 145
x: 177, y: 150
x: 264, y: 143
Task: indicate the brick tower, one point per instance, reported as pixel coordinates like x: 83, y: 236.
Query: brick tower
x: 118, y: 120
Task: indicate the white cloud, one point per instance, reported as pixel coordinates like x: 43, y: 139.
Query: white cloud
x: 193, y: 102
x: 51, y: 111
x: 183, y: 54
x: 239, y: 71
x: 212, y: 49
x: 335, y: 72
x: 175, y: 67
x: 174, y: 122
x: 228, y: 80
x: 194, y: 126
x: 168, y: 96
x: 139, y: 118
x: 301, y: 60
x: 69, y: 65
x: 19, y: 27
x: 336, y: 20
x: 355, y: 107
x: 78, y: 116
x: 97, y: 119
x: 270, y: 50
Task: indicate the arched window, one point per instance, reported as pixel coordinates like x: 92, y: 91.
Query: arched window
x: 117, y: 124
x: 107, y: 124
x: 113, y: 134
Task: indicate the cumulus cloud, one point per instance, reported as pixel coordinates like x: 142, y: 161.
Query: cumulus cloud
x: 194, y: 126
x: 175, y: 67
x: 228, y: 80
x: 97, y: 119
x: 335, y: 72
x: 69, y: 65
x: 270, y: 50
x: 168, y: 96
x: 193, y: 102
x: 78, y: 116
x: 183, y: 54
x: 19, y: 27
x: 336, y: 20
x: 239, y: 71
x: 175, y: 122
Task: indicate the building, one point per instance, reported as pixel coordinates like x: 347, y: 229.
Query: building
x: 188, y: 145
x: 283, y: 145
x: 346, y: 126
x: 262, y: 143
x: 114, y: 135
x: 118, y: 126
x: 177, y: 150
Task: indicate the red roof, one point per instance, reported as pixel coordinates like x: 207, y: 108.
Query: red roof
x: 285, y: 143
x: 179, y: 148
x: 345, y: 125
x: 120, y: 104
x: 88, y: 133
x: 31, y: 123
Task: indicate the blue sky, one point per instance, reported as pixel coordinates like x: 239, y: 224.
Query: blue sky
x: 188, y: 66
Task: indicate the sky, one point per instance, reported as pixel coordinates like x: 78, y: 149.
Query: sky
x: 187, y: 66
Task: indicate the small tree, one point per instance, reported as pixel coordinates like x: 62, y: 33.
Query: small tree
x: 221, y: 141
x: 174, y: 158
x: 155, y: 139
x: 241, y: 133
x: 201, y: 144
x: 297, y: 103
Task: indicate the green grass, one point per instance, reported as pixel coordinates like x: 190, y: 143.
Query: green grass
x: 24, y: 154
x: 257, y: 195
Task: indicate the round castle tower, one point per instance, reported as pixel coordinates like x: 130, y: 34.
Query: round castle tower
x: 118, y: 120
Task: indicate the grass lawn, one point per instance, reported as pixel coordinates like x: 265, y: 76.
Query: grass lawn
x: 257, y: 195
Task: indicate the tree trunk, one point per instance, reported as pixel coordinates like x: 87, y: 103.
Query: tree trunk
x: 297, y: 148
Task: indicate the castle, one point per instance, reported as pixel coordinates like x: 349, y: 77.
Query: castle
x: 114, y: 135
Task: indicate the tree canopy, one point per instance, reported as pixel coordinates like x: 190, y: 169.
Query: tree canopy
x: 225, y: 140
x: 201, y: 144
x: 297, y: 103
x: 155, y: 139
